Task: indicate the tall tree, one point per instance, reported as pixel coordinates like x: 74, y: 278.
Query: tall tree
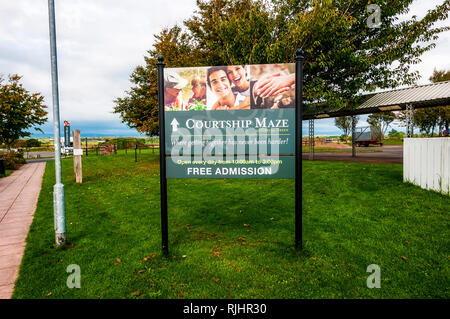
x: 20, y: 110
x: 442, y: 113
x: 430, y: 118
x: 440, y: 76
x: 343, y: 55
x: 382, y: 120
x: 344, y: 123
x: 426, y: 120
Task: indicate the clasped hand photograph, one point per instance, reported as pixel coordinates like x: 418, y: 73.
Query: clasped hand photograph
x: 225, y: 158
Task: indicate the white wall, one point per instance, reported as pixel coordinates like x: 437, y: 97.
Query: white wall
x: 426, y: 163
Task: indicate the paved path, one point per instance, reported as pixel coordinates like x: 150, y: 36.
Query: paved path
x: 19, y: 193
x: 40, y: 160
x: 36, y: 154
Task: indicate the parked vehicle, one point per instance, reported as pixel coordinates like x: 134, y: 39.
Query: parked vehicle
x: 366, y: 135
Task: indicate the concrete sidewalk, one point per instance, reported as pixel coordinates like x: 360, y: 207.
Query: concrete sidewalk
x: 19, y: 193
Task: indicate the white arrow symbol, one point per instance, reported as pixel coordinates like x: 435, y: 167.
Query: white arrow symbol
x: 174, y: 125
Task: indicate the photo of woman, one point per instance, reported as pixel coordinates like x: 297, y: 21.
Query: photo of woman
x: 239, y: 77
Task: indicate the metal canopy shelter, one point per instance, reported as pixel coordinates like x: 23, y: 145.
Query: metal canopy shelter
x: 421, y: 96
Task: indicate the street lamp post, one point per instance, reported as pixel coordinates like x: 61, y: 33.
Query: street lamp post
x: 58, y: 188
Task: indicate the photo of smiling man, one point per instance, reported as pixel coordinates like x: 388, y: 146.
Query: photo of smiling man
x: 220, y: 94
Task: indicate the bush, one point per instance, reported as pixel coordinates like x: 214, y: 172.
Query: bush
x: 342, y: 138
x: 394, y: 134
x: 13, y: 160
x: 32, y: 142
x: 123, y: 143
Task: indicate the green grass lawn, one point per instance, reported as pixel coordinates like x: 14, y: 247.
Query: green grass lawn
x: 234, y: 238
x: 40, y: 149
x: 393, y: 141
x: 7, y: 172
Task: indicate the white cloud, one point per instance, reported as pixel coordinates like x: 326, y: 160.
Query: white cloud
x: 100, y: 43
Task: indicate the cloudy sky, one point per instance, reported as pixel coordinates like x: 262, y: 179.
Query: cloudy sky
x: 100, y: 42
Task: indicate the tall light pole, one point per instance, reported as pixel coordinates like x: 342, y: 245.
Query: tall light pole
x: 58, y: 190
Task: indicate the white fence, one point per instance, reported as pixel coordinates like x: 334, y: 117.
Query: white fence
x: 426, y: 163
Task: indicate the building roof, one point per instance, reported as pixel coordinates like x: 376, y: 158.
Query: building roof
x: 420, y: 96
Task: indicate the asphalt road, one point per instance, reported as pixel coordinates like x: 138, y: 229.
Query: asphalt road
x: 392, y: 154
x: 389, y: 154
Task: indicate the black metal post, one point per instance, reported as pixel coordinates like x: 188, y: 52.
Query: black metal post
x: 298, y: 147
x: 409, y: 121
x: 135, y: 152
x: 353, y: 136
x: 86, y: 147
x: 2, y: 167
x: 162, y: 157
x: 311, y: 140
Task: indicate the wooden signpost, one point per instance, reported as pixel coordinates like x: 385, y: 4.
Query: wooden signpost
x: 77, y: 153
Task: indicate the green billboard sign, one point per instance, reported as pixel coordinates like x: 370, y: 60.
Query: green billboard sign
x: 238, y: 121
x: 260, y: 167
x: 230, y: 121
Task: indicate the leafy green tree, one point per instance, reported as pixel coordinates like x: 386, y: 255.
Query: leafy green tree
x: 343, y: 56
x: 428, y: 119
x: 32, y: 142
x: 440, y: 76
x: 20, y: 110
x: 344, y: 123
x: 139, y: 107
x: 382, y: 120
x: 396, y: 134
x: 442, y: 114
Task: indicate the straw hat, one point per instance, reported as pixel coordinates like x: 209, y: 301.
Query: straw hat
x: 173, y: 80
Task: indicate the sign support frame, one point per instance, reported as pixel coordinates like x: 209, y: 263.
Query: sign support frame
x: 298, y: 149
x: 162, y: 157
x: 298, y: 152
